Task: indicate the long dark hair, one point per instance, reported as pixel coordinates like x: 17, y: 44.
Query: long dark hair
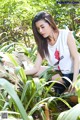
x: 39, y: 39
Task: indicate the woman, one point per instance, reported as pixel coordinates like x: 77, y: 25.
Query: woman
x: 57, y: 46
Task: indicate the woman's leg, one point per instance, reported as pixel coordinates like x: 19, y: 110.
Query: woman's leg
x: 59, y: 86
x: 57, y: 77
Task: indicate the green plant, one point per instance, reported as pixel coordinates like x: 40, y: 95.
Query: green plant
x: 9, y: 88
x: 74, y: 112
x: 71, y: 114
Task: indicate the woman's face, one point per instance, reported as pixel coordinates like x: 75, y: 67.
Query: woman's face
x: 43, y: 28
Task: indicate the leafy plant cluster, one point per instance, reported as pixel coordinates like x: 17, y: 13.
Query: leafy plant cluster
x: 33, y: 97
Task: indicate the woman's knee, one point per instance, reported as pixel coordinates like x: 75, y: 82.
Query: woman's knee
x: 55, y: 77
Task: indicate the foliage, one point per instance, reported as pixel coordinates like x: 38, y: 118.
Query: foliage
x: 71, y: 114
x: 16, y: 17
x: 32, y: 93
x: 77, y: 86
x: 9, y: 88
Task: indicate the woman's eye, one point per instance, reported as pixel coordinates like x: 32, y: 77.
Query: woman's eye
x: 43, y: 27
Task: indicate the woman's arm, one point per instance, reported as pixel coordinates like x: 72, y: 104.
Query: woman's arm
x: 74, y: 54
x: 36, y: 66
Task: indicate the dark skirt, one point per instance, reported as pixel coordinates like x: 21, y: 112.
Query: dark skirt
x: 59, y: 88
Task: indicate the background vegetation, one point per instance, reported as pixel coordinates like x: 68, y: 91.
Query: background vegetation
x: 16, y: 17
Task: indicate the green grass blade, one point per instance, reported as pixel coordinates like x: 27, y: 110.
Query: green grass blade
x: 9, y: 88
x: 20, y: 70
x: 71, y: 114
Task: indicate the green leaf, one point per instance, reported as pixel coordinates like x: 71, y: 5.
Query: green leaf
x: 9, y: 88
x: 18, y: 69
x: 12, y: 59
x: 71, y: 114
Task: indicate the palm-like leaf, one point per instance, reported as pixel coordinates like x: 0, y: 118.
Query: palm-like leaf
x: 71, y: 114
x: 9, y: 88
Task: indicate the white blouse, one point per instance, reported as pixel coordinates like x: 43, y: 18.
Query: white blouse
x: 60, y: 57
